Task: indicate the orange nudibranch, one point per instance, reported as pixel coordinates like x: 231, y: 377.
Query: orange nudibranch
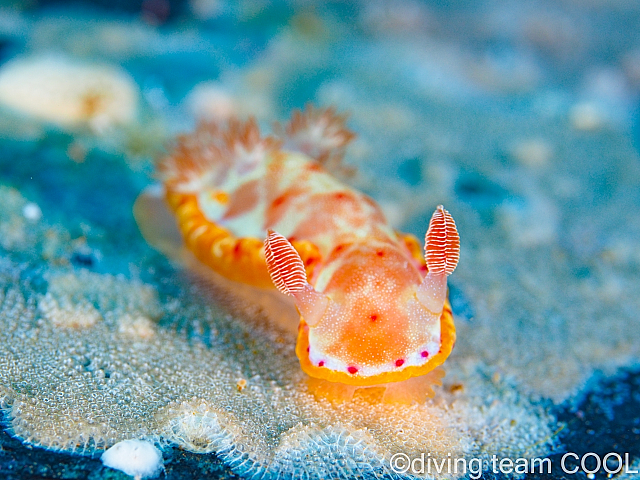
x: 263, y: 210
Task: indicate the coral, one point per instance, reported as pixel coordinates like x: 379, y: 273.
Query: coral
x: 85, y: 389
x: 69, y: 93
x: 345, y: 452
x: 194, y: 425
x: 67, y: 315
x: 136, y: 326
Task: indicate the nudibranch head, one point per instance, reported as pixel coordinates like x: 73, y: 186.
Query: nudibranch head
x: 372, y: 317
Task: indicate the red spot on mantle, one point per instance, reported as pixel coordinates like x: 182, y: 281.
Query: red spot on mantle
x: 352, y: 370
x: 339, y: 248
x: 399, y: 362
x: 321, y: 363
x: 425, y: 354
x: 279, y: 201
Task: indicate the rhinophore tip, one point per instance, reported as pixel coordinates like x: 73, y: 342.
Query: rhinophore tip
x: 442, y: 243
x: 284, y: 264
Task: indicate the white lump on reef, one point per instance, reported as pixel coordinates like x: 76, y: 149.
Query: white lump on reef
x: 65, y: 314
x: 69, y: 93
x: 136, y: 458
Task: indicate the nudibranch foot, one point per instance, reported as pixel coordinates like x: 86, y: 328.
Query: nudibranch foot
x: 407, y: 392
x: 414, y: 389
x: 156, y: 222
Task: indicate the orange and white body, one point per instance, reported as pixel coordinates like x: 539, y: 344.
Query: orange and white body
x: 264, y: 211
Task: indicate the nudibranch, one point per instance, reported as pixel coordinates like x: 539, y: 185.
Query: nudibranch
x: 264, y: 211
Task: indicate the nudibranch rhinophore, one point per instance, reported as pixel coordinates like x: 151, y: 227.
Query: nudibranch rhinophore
x: 262, y: 210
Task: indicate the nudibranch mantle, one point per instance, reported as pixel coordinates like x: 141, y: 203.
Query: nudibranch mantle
x: 372, y: 311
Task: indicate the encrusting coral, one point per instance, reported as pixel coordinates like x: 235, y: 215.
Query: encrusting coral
x: 69, y: 93
x: 84, y: 389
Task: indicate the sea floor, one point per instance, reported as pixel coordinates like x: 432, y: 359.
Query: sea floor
x: 522, y: 118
